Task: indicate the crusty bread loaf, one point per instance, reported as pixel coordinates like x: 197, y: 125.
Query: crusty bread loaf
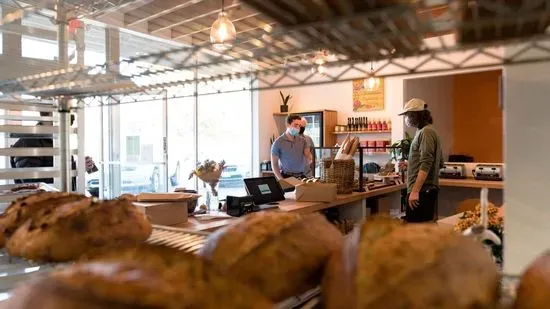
x: 23, y: 208
x: 415, y: 266
x: 139, y: 277
x: 282, y: 254
x: 72, y: 230
x: 534, y: 287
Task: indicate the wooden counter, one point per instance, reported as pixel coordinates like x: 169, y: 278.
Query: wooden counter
x: 291, y: 205
x: 471, y: 183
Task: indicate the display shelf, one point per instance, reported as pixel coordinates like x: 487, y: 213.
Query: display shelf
x: 362, y: 132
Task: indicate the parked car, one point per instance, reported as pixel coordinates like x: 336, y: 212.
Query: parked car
x: 134, y: 179
x: 232, y: 176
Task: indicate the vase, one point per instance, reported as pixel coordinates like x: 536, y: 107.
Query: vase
x: 284, y: 108
x: 212, y: 199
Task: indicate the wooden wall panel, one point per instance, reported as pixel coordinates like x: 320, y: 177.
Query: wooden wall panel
x: 477, y: 117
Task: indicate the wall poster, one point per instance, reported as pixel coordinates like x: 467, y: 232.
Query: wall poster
x: 369, y: 98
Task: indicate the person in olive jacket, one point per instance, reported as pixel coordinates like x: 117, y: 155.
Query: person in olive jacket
x: 425, y: 161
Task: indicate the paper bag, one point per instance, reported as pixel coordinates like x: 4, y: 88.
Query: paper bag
x: 316, y: 192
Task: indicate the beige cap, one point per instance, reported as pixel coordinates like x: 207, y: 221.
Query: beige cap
x: 414, y: 105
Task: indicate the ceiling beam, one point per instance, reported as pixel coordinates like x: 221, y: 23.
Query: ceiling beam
x: 235, y: 21
x: 155, y: 29
x: 158, y: 9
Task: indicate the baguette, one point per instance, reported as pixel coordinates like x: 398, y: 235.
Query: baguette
x: 348, y: 146
x: 342, y: 147
x: 354, y: 146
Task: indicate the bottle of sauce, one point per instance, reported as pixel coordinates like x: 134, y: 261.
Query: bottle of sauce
x: 389, y: 124
x: 384, y: 126
x: 369, y: 125
x: 378, y: 125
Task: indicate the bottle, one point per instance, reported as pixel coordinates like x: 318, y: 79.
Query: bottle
x: 379, y: 125
x: 384, y: 126
x: 349, y: 124
x: 369, y: 125
x: 361, y: 124
x: 389, y: 124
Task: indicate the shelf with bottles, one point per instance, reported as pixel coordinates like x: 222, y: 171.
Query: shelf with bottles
x: 361, y: 132
x: 364, y: 125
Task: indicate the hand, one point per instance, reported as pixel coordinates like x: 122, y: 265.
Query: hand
x: 414, y: 200
x: 403, y: 165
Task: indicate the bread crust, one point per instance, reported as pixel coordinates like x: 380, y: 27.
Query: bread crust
x: 142, y: 276
x: 282, y: 254
x: 23, y: 208
x: 73, y: 230
x: 532, y: 292
x: 416, y: 266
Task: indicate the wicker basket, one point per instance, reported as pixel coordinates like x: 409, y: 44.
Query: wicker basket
x: 340, y: 172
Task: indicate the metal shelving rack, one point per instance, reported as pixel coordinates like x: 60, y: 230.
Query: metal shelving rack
x: 387, y: 35
x: 12, y: 128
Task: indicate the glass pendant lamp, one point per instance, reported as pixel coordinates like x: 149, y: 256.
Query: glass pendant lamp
x: 222, y: 33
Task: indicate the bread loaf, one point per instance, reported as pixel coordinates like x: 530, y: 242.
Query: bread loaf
x: 534, y: 287
x: 281, y: 254
x: 418, y: 266
x: 23, y: 208
x: 74, y: 229
x: 139, y: 277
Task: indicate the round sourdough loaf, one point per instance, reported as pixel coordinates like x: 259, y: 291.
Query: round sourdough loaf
x: 534, y: 288
x: 385, y: 264
x: 280, y: 254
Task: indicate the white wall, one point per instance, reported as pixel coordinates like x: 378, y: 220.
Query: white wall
x: 336, y: 96
x: 437, y: 92
x: 526, y: 128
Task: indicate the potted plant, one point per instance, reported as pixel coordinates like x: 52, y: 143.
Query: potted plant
x: 284, y: 105
x: 400, y: 150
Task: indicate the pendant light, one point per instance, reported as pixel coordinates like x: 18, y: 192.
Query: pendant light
x: 222, y: 33
x: 371, y: 83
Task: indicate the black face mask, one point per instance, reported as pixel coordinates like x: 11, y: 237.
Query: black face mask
x: 302, y: 130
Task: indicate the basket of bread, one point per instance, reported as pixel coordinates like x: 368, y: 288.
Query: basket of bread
x: 341, y: 169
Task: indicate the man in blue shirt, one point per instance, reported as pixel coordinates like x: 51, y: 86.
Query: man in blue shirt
x: 289, y: 150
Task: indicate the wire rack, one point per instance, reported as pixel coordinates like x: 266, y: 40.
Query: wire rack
x: 382, y: 34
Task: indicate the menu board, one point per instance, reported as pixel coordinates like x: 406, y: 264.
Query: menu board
x: 367, y: 99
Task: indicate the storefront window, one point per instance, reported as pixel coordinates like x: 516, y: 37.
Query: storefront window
x: 225, y: 133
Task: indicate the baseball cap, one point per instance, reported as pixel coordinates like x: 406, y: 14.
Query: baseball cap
x: 414, y: 105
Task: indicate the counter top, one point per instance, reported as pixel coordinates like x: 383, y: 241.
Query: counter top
x: 471, y: 183
x: 291, y: 205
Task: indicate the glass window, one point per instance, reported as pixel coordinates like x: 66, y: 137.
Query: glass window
x: 225, y: 133
x: 181, y: 140
x: 132, y: 148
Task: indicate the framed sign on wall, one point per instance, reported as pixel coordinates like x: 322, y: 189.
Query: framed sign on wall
x: 368, y: 94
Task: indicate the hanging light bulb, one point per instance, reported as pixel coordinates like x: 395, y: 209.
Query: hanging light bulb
x: 321, y: 69
x: 372, y: 82
x: 222, y: 33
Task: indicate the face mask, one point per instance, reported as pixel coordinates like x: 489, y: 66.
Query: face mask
x: 292, y: 131
x: 302, y: 130
x: 408, y: 122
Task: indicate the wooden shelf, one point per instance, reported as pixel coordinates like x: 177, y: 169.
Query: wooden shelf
x: 302, y: 112
x: 361, y: 132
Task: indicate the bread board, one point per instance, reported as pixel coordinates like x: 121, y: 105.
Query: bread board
x: 166, y: 197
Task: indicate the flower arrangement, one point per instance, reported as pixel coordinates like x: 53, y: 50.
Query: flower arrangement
x: 495, y: 223
x: 210, y: 173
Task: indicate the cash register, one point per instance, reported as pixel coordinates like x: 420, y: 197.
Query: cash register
x: 263, y: 193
